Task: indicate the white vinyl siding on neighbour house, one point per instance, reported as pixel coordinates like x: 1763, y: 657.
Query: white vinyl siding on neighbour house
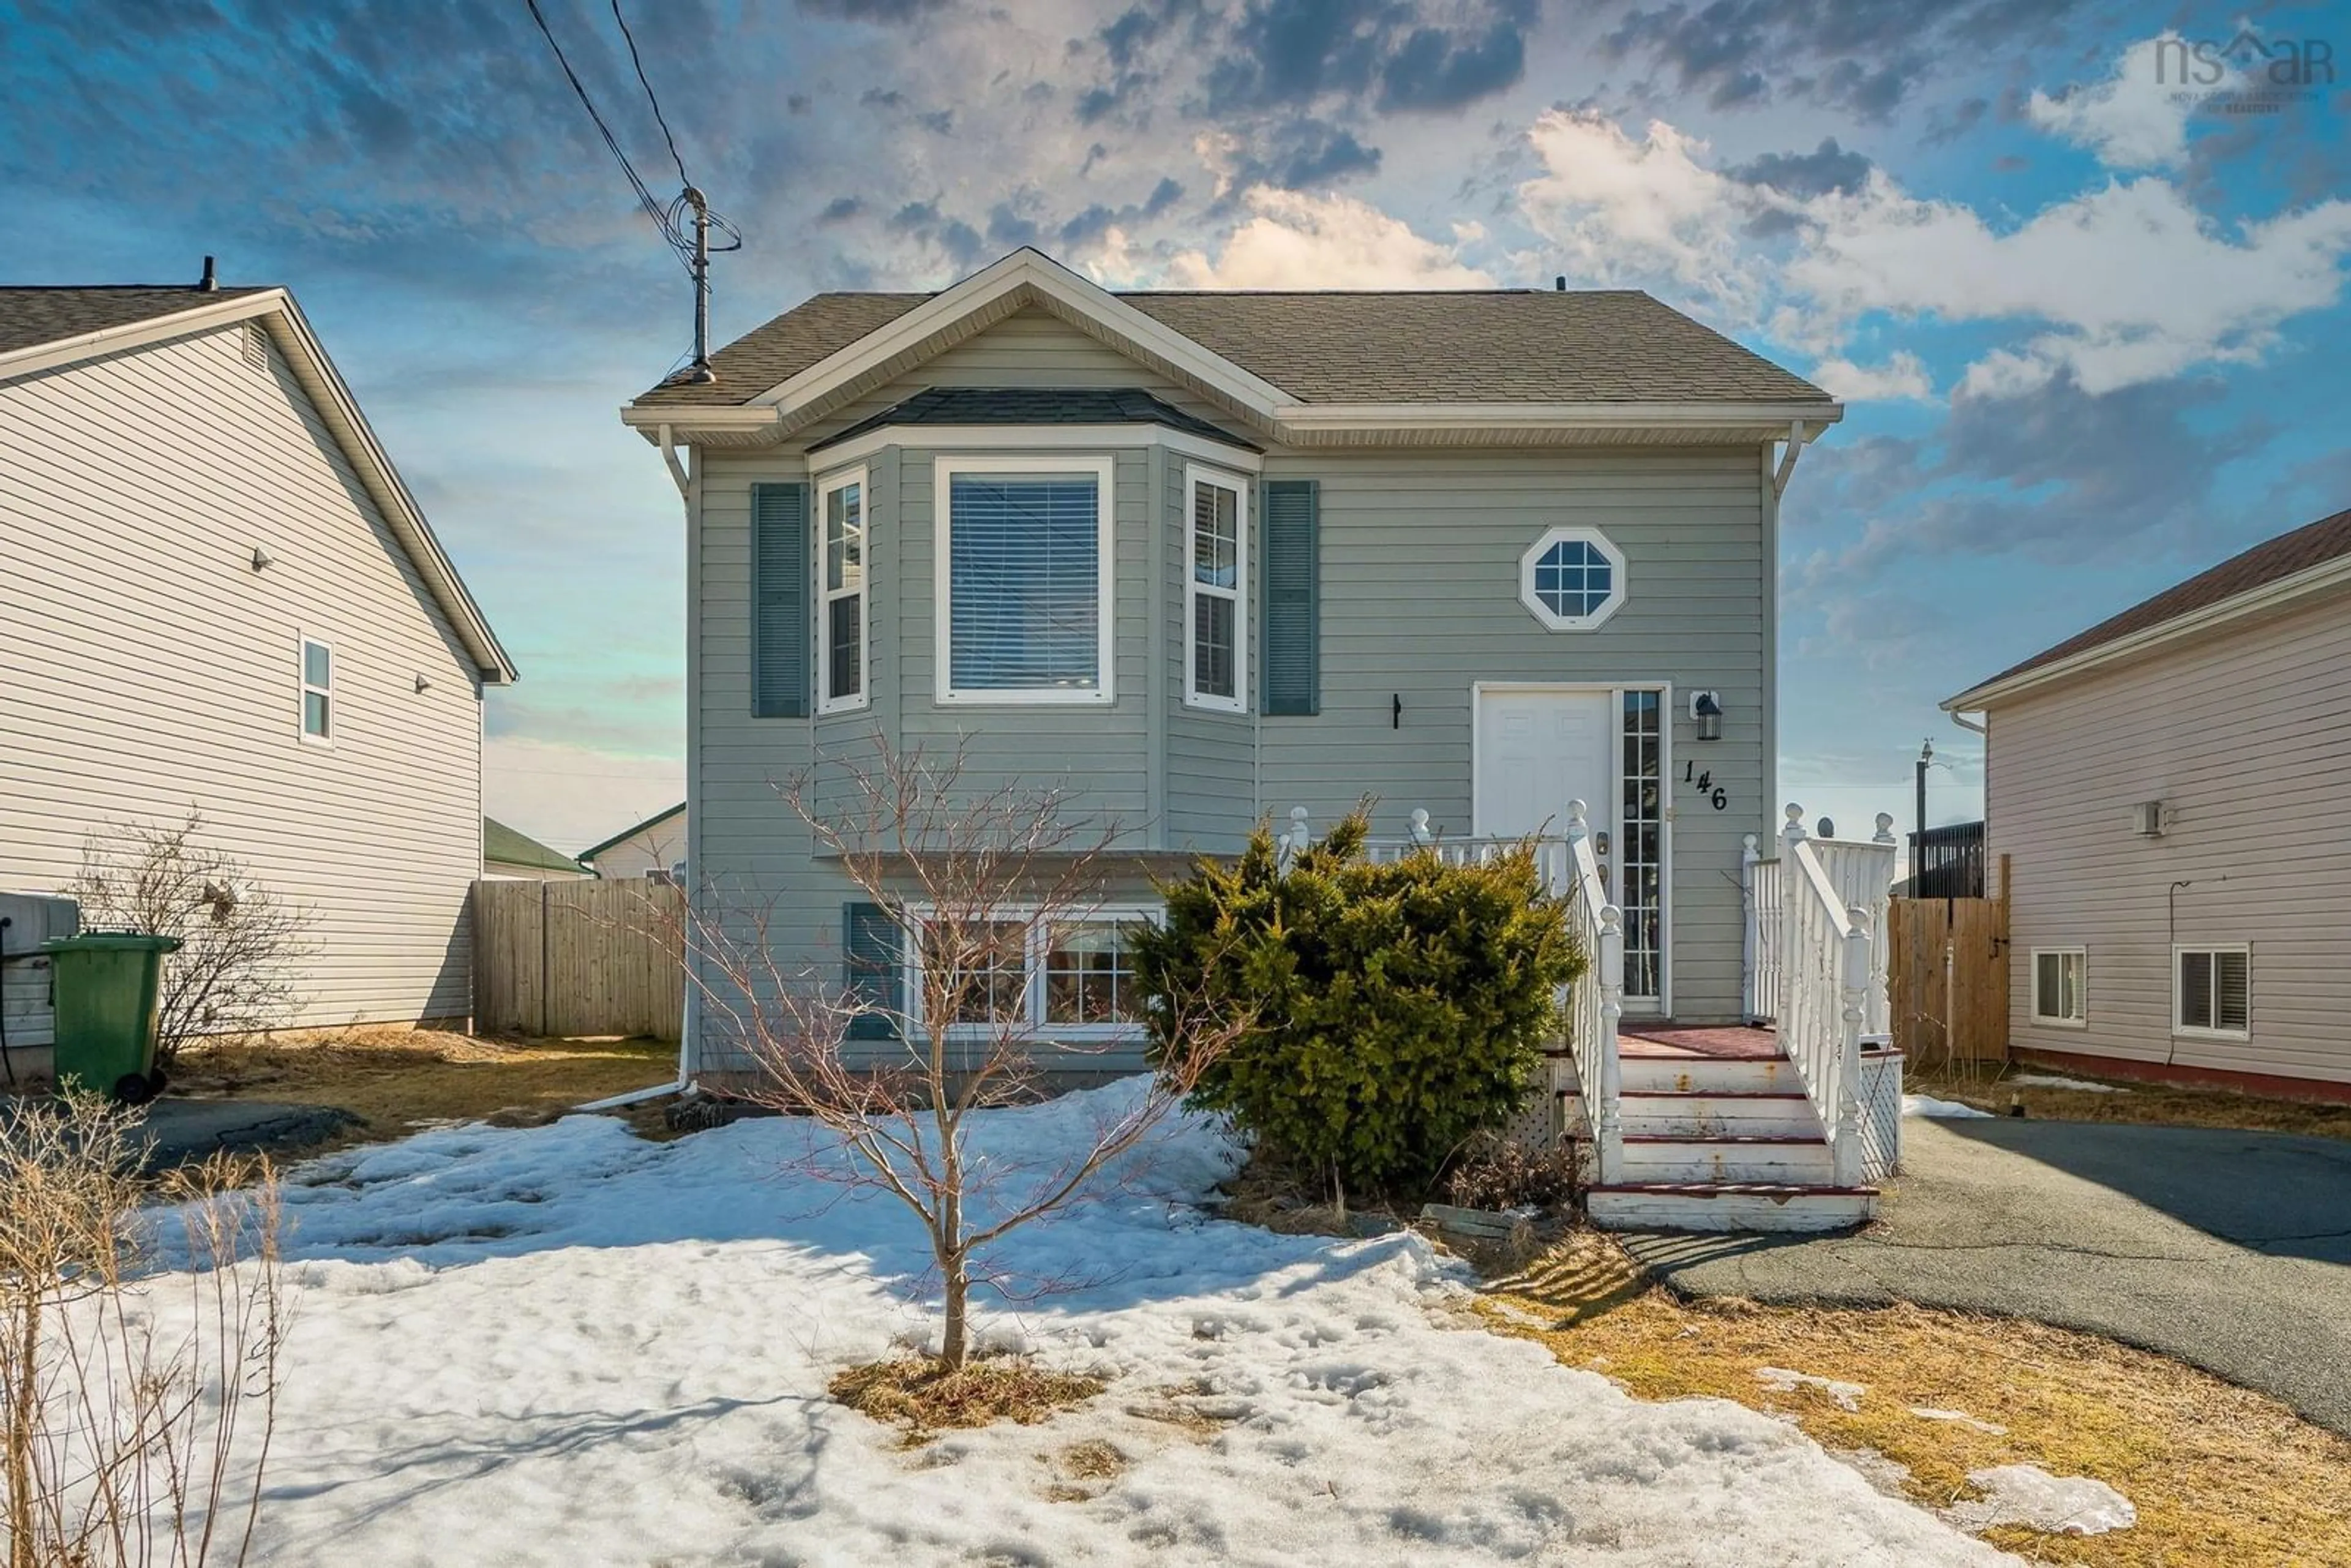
x: 151, y: 667
x: 2241, y: 736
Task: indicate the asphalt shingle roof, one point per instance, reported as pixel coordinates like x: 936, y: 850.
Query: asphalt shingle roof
x: 1516, y: 345
x: 1036, y: 405
x: 30, y: 317
x: 502, y: 845
x: 2314, y: 544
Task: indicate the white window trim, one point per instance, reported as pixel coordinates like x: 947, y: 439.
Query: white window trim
x: 942, y: 472
x: 1033, y: 1026
x: 1194, y: 476
x: 303, y: 643
x: 2052, y: 1021
x: 2198, y: 1032
x: 862, y: 593
x: 1620, y: 583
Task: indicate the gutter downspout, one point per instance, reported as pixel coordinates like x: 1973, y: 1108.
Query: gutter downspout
x: 677, y: 474
x: 1796, y: 449
x: 1964, y: 722
x: 636, y: 1096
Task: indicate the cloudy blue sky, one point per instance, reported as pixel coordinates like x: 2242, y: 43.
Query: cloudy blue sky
x: 2090, y: 317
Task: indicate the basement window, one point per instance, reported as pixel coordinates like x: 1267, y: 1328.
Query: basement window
x: 2212, y: 991
x: 2060, y: 982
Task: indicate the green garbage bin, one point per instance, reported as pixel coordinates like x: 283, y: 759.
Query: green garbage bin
x: 109, y: 990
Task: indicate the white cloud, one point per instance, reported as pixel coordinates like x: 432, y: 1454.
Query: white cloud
x: 569, y: 797
x: 1623, y: 210
x: 2136, y: 118
x: 1297, y: 241
x: 1903, y: 376
x: 2117, y: 286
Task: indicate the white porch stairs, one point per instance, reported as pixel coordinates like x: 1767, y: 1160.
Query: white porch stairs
x: 1744, y: 1128
x: 1716, y: 1141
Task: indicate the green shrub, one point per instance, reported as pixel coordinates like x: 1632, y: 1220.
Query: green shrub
x: 1401, y: 1008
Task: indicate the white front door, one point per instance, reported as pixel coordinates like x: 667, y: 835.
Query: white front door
x: 1539, y: 750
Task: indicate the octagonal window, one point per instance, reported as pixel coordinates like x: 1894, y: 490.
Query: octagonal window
x: 1573, y: 579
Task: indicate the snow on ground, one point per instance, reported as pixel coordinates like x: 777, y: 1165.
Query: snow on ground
x: 1847, y: 1394
x: 2030, y: 1496
x: 1927, y: 1105
x: 565, y: 1345
x: 2054, y: 1080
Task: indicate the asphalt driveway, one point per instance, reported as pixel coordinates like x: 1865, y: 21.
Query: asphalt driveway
x: 2231, y: 1250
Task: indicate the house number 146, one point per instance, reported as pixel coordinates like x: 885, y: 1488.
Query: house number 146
x: 1716, y: 796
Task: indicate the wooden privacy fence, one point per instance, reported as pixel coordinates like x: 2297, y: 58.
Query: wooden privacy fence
x: 1948, y: 977
x: 579, y: 957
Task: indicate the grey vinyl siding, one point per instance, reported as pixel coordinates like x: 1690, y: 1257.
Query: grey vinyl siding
x: 1420, y: 558
x: 2242, y: 736
x: 1420, y: 552
x: 152, y: 669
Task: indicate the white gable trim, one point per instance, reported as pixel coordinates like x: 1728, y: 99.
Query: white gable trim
x: 1049, y: 281
x: 282, y: 319
x: 1034, y: 438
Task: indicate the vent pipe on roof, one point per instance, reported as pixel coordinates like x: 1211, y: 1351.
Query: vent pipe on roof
x: 1559, y: 284
x: 208, y: 284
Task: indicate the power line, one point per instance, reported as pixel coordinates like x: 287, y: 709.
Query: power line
x: 659, y: 118
x: 663, y: 217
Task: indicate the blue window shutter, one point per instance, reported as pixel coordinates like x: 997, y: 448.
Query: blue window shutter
x: 875, y: 971
x: 1292, y: 619
x: 781, y: 551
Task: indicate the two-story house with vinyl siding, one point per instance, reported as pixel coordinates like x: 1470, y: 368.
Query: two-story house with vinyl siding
x: 217, y: 595
x: 1201, y: 558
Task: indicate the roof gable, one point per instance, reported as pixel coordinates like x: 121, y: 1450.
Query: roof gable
x: 1035, y: 405
x: 48, y: 328
x: 592, y: 850
x: 2312, y: 557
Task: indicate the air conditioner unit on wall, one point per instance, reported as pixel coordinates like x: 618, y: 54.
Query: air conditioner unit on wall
x: 2146, y: 818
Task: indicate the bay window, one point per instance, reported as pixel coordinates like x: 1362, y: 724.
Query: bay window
x: 1024, y: 568
x: 1215, y: 592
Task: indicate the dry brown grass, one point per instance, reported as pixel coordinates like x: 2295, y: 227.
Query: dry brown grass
x: 916, y: 1392
x: 1988, y: 1087
x: 396, y: 1080
x: 2218, y: 1475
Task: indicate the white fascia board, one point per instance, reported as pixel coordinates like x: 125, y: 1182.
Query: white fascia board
x: 1308, y: 418
x: 687, y: 417
x: 2308, y: 583
x: 1030, y: 269
x: 1060, y: 438
x: 136, y: 334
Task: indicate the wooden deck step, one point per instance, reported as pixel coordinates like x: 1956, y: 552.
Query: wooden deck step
x: 1717, y: 1207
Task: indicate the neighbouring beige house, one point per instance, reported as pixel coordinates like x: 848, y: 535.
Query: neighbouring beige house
x: 511, y: 855
x: 2167, y: 790
x: 654, y: 847
x: 216, y: 593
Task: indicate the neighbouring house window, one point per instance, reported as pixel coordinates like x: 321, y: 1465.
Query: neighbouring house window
x: 1024, y: 556
x: 2213, y: 990
x: 2060, y: 980
x: 1640, y: 852
x: 1216, y: 661
x: 318, y: 691
x: 1072, y: 976
x: 841, y: 633
x: 1571, y: 579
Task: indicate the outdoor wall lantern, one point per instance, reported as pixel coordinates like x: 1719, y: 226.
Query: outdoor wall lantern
x: 1705, y: 711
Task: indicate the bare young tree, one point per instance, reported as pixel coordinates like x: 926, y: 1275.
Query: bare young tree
x: 240, y: 944
x: 894, y: 1048
x: 139, y: 1346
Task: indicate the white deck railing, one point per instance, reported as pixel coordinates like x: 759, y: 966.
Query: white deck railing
x: 1831, y: 963
x: 1760, y: 885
